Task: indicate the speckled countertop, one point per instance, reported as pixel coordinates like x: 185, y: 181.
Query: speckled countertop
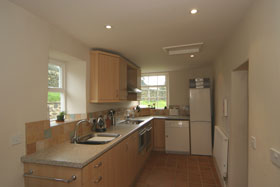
x: 79, y: 155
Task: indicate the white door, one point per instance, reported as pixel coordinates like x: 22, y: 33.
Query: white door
x: 201, y: 138
x: 200, y: 104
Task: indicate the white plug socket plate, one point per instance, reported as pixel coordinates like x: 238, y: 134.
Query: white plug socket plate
x: 16, y: 139
x: 275, y: 156
x: 253, y: 142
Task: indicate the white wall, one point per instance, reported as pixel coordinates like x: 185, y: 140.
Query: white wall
x: 257, y: 39
x: 23, y: 80
x: 179, y: 84
x: 26, y: 42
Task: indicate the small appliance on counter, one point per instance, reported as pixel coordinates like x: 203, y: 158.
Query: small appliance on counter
x: 100, y: 124
x: 111, y: 116
x: 174, y: 111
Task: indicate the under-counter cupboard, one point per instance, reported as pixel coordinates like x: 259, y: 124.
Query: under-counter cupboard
x: 117, y: 167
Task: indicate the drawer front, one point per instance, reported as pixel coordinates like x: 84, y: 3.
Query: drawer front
x: 94, y: 172
x: 44, y: 175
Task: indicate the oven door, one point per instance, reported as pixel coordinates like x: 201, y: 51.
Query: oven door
x: 142, y: 140
x: 148, y: 137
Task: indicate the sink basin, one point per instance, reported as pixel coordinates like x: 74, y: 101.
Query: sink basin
x: 98, y: 138
x: 132, y: 122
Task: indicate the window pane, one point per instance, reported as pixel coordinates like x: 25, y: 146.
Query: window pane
x: 153, y: 101
x: 54, y: 104
x: 152, y: 80
x: 144, y: 93
x: 144, y: 102
x: 161, y: 93
x: 161, y: 80
x: 144, y: 81
x: 162, y: 88
x: 161, y: 103
x: 153, y: 91
x: 54, y: 76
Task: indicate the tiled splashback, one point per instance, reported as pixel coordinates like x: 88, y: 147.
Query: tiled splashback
x: 41, y: 135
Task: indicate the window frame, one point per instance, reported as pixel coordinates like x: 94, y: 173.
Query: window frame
x: 166, y: 74
x: 62, y: 77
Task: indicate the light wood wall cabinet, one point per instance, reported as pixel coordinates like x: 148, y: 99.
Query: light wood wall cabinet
x: 159, y: 135
x: 108, y: 78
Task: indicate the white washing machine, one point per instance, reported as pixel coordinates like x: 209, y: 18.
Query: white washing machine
x: 177, y: 136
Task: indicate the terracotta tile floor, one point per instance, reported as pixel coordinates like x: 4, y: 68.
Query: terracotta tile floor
x: 171, y: 170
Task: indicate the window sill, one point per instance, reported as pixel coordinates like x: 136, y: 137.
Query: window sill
x: 54, y: 123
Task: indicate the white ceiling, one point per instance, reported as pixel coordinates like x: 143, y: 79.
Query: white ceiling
x: 142, y: 27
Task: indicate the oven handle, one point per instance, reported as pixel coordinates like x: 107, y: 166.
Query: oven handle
x: 149, y: 129
x: 142, y: 132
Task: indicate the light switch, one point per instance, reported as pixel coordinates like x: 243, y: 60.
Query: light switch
x: 253, y: 142
x: 275, y: 156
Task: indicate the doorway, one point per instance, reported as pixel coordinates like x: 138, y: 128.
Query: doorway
x: 238, y: 142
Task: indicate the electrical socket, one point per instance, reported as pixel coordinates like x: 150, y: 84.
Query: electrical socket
x: 16, y: 139
x: 253, y: 142
x: 275, y: 156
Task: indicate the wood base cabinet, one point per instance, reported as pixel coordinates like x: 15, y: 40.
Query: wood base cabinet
x: 159, y: 134
x: 117, y: 167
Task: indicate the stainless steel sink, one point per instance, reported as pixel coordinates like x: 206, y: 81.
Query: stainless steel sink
x: 131, y: 122
x: 98, y: 138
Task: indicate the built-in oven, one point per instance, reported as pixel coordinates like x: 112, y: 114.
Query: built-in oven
x: 142, y: 140
x: 148, y: 137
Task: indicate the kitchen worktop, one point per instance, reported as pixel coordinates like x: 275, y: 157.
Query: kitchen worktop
x: 79, y: 155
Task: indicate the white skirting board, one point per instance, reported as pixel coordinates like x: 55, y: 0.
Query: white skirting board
x: 221, y: 152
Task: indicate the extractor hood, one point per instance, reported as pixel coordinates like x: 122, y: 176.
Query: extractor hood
x: 133, y: 90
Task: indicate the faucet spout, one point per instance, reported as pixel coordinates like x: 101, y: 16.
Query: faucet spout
x: 75, y: 138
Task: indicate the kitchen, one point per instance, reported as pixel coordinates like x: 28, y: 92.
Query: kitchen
x: 39, y: 32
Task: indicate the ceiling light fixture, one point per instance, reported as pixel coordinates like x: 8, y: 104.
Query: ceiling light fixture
x: 192, y: 56
x: 194, y: 11
x: 108, y: 27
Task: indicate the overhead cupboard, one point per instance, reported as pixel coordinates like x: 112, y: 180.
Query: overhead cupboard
x: 110, y: 78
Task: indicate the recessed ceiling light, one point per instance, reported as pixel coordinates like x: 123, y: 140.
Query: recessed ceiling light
x: 108, y: 27
x: 194, y: 11
x: 192, y: 56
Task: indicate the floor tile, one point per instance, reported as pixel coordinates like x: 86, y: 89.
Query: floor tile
x: 173, y: 170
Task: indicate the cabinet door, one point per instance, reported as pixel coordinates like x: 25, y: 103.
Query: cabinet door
x: 123, y: 80
x: 94, y: 174
x: 159, y: 135
x: 51, y: 172
x: 108, y: 77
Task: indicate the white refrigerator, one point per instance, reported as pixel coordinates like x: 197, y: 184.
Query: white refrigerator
x: 200, y: 121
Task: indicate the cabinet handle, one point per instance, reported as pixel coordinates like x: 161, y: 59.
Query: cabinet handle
x: 98, y: 180
x: 98, y: 165
x: 149, y: 129
x: 30, y: 174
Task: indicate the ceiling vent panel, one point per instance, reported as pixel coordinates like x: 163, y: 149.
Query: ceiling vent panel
x: 183, y: 49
